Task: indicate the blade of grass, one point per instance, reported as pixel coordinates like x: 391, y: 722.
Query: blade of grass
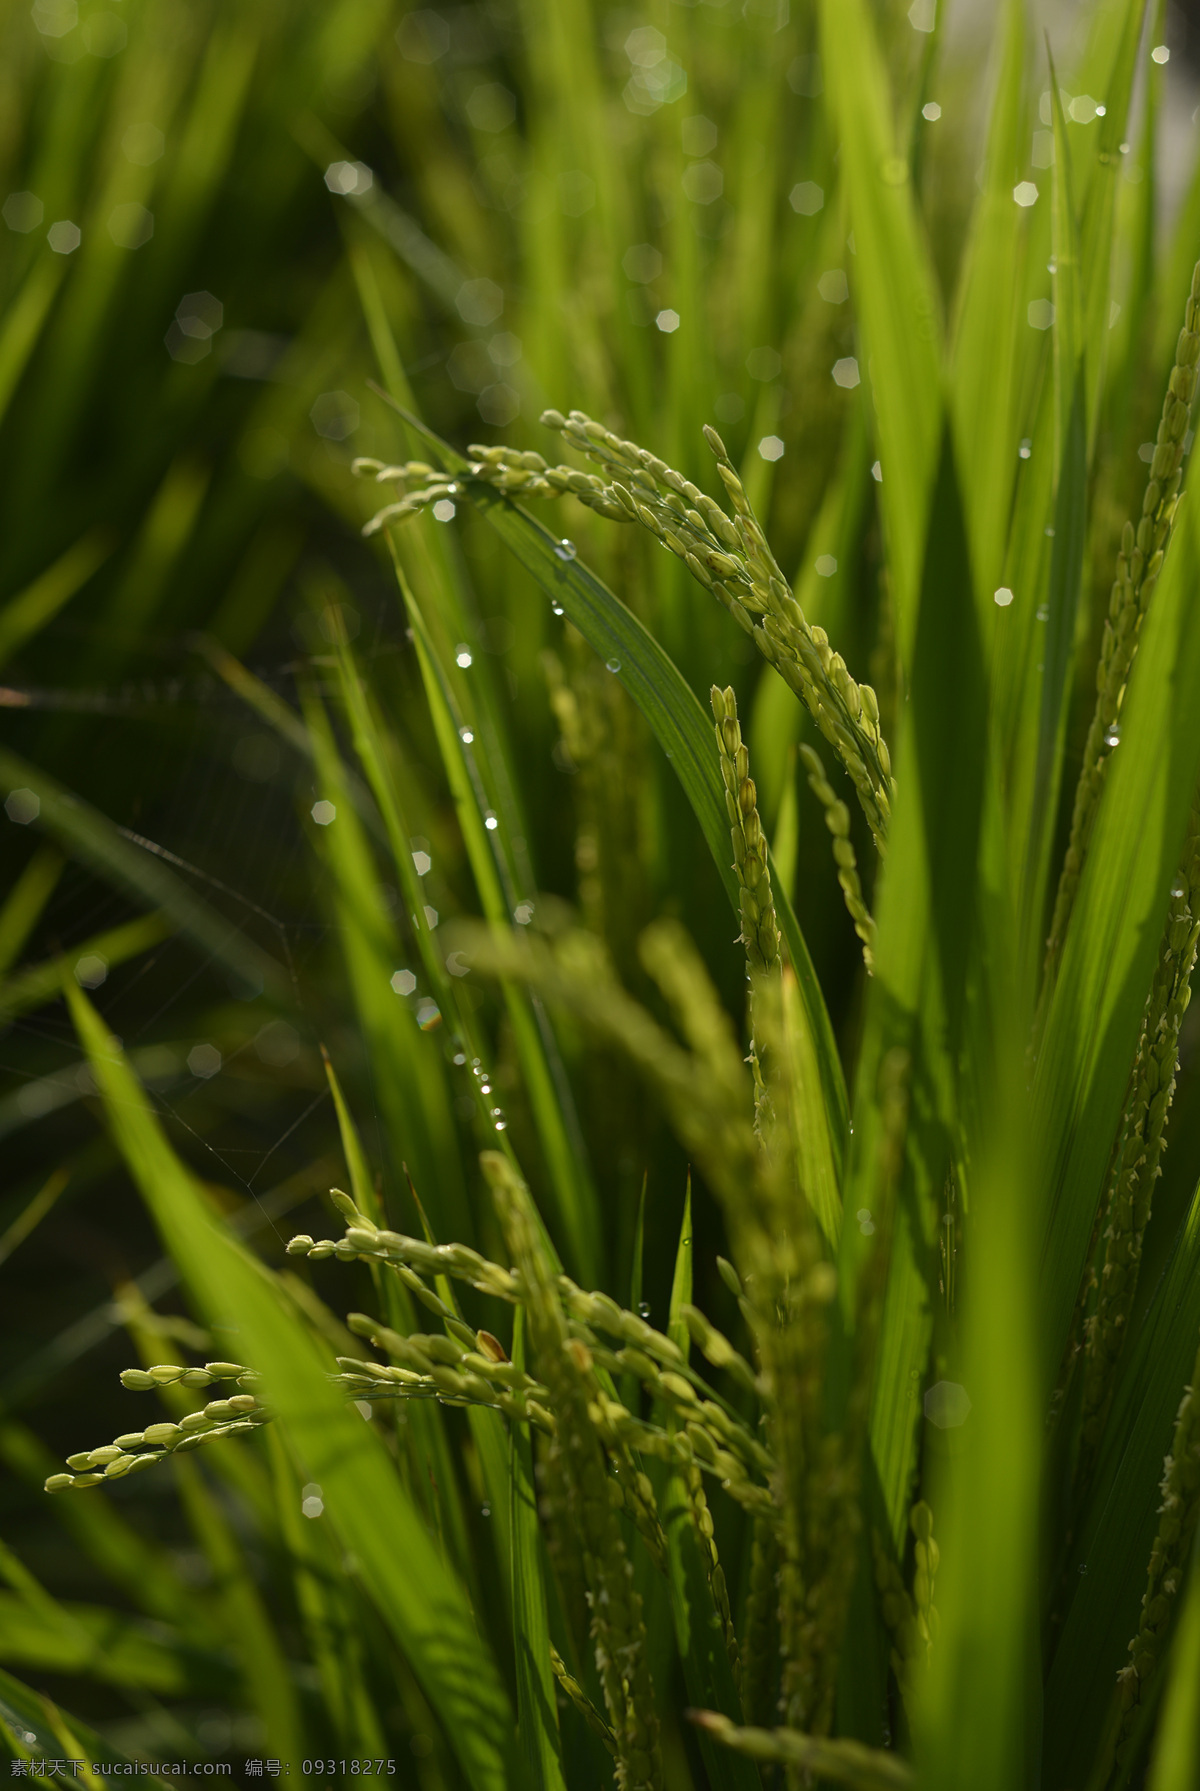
x: 978, y: 1719
x: 895, y: 294
x: 577, y: 1212
x: 1105, y: 1574
x: 24, y: 319
x: 1111, y: 61
x: 558, y: 1134
x: 249, y: 1631
x: 32, y: 1727
x: 1018, y: 640
x: 499, y: 858
x: 1135, y: 229
x: 94, y: 1642
x: 699, y: 1631
x: 281, y: 717
x: 1097, y: 1005
x: 90, y: 836
x: 417, y: 1596
x: 139, y: 1566
x: 25, y: 901
x: 362, y: 1189
x: 986, y: 334
x: 40, y: 983
x: 926, y: 911
x: 324, y: 1598
x: 32, y: 609
x: 32, y: 1215
x: 426, y: 1457
x: 413, y: 1095
x: 1071, y: 373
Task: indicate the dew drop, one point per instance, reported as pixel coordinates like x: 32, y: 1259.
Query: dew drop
x: 565, y: 550
x: 643, y: 1308
x: 1113, y: 737
x: 1043, y: 612
x: 613, y: 665
x: 501, y: 1125
x: 466, y: 736
x: 485, y: 1511
x: 557, y: 608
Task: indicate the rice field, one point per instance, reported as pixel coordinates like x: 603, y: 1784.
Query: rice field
x: 602, y: 793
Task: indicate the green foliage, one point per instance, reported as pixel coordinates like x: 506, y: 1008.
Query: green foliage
x: 395, y: 847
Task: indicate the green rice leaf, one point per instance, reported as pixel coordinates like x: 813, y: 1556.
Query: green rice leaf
x: 25, y: 901
x: 249, y: 1632
x: 1103, y: 1576
x: 1096, y: 1010
x: 1110, y: 63
x: 362, y: 1189
x: 32, y: 609
x: 132, y: 1561
x: 1069, y: 528
x: 34, y: 1728
x: 987, y: 340
x: 31, y: 1216
x: 577, y: 1210
x: 40, y: 983
x: 95, y: 1643
x: 401, y: 1568
x: 408, y: 1062
x: 332, y: 1613
x: 699, y: 1631
x: 88, y: 835
x: 23, y: 322
x: 896, y: 296
x: 927, y: 917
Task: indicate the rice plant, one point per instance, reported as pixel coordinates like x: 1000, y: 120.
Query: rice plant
x: 745, y: 1330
